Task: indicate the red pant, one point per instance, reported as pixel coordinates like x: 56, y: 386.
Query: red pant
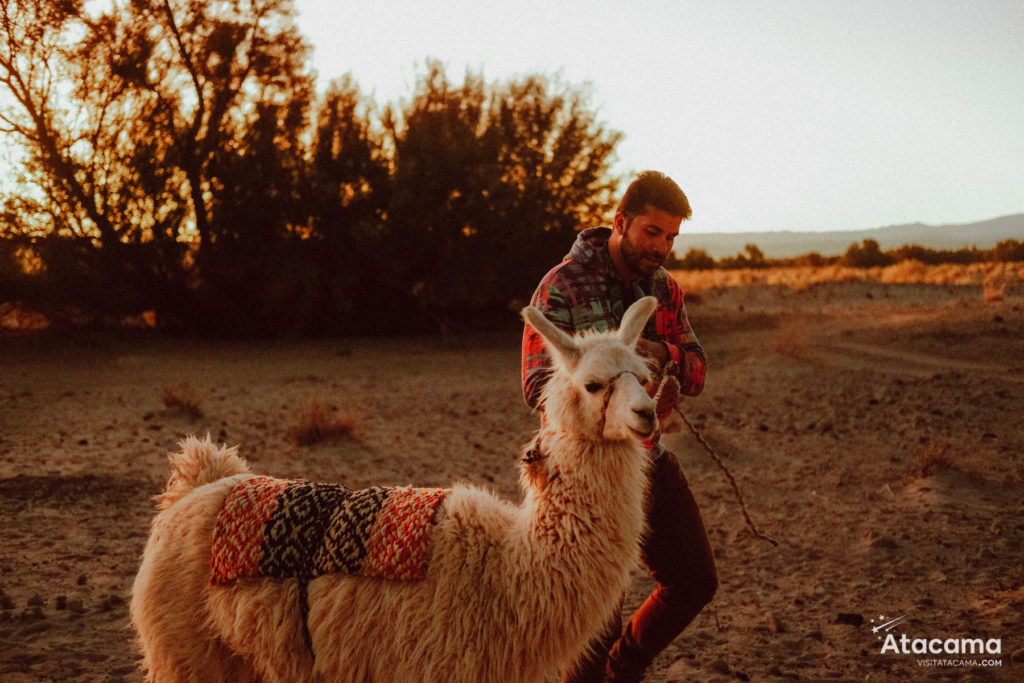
x: 677, y: 553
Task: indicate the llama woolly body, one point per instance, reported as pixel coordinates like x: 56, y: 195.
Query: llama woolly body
x: 509, y: 592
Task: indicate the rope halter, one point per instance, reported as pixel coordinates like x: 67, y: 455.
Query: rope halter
x: 609, y: 390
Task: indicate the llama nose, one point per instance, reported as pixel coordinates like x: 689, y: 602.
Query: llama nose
x: 645, y: 413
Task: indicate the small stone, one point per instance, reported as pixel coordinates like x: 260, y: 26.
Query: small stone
x: 62, y: 602
x: 82, y: 579
x: 850, y: 619
x: 679, y: 670
x: 720, y: 666
x: 36, y: 601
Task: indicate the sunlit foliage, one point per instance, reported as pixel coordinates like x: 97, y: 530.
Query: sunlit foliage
x: 177, y: 158
x: 132, y: 117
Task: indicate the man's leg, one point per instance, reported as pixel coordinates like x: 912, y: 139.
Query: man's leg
x: 678, y: 554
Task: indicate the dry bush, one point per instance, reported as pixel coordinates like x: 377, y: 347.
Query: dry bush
x: 14, y: 317
x: 999, y: 277
x: 905, y: 271
x: 182, y: 399
x: 317, y: 422
x: 935, y: 458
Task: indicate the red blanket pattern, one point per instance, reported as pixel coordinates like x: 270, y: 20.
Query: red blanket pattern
x: 291, y: 528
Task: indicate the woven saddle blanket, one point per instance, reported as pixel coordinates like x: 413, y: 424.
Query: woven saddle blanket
x: 287, y: 528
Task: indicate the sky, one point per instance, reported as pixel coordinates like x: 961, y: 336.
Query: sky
x: 770, y: 114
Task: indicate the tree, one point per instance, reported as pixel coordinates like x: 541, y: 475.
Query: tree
x: 695, y: 259
x: 1007, y: 251
x: 136, y: 123
x: 753, y: 258
x: 490, y: 184
x: 867, y: 255
x: 177, y: 160
x: 346, y: 190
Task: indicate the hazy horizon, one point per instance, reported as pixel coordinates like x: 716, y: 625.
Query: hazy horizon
x: 864, y: 229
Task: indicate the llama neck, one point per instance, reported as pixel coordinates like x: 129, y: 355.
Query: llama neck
x: 578, y: 542
x: 591, y: 497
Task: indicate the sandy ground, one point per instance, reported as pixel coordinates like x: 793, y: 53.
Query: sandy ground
x: 876, y: 431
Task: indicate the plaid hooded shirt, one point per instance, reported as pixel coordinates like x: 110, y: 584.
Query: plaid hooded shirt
x: 583, y: 292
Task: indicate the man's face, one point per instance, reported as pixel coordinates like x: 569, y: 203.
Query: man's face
x: 646, y: 239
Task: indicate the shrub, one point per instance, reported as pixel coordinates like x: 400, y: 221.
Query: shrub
x: 317, y: 422
x: 182, y: 399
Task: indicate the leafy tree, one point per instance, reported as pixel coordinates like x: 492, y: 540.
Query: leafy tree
x: 1007, y: 251
x: 137, y: 123
x: 695, y: 259
x: 866, y: 255
x: 752, y: 258
x: 755, y: 256
x: 490, y: 184
x: 812, y: 259
x: 347, y: 185
x: 178, y: 160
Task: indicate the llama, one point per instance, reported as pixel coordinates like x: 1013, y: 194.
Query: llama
x: 507, y: 592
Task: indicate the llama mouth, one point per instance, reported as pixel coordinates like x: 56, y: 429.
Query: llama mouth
x: 642, y: 434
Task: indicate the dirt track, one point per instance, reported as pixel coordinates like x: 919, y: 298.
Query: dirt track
x: 880, y: 439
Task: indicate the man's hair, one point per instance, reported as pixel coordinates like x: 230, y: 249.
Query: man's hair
x: 654, y: 188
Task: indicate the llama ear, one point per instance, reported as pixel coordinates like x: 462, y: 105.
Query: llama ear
x: 635, y: 319
x: 558, y: 341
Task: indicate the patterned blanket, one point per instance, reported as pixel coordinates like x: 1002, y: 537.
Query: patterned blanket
x: 287, y: 528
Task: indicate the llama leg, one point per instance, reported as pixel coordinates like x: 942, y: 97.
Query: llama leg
x: 678, y: 554
x: 591, y: 668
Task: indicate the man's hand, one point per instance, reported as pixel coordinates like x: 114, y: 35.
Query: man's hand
x: 655, y: 350
x: 670, y: 396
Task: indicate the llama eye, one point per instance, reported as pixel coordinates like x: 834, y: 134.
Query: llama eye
x: 593, y: 387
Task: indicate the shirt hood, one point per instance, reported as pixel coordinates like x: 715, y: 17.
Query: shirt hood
x: 591, y: 248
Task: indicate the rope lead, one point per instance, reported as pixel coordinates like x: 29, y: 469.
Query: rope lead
x: 728, y: 475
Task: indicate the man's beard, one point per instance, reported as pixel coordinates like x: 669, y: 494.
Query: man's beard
x: 644, y: 263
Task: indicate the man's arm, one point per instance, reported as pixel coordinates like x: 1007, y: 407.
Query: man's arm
x: 680, y: 343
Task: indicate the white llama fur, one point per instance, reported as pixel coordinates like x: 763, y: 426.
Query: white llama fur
x: 512, y: 593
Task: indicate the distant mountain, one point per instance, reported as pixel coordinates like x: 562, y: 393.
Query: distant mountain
x: 783, y: 244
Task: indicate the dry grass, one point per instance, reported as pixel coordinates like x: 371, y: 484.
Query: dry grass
x: 801, y: 277
x: 934, y: 459
x: 317, y: 422
x: 182, y: 399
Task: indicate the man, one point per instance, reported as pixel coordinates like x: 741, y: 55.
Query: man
x: 606, y: 271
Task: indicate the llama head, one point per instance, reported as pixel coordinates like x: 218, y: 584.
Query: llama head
x: 597, y: 384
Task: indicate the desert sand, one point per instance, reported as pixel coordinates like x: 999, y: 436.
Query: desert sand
x: 875, y: 429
